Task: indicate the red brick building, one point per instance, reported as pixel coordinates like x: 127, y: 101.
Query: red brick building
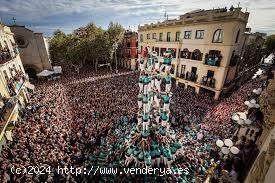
x: 129, y: 50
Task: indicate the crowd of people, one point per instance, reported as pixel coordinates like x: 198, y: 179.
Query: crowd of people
x: 80, y: 124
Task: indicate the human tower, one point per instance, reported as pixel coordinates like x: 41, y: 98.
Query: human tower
x: 151, y: 143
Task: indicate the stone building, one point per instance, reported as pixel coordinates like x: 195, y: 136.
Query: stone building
x: 262, y: 171
x: 205, y: 43
x: 33, y: 49
x: 13, y: 84
x: 129, y: 50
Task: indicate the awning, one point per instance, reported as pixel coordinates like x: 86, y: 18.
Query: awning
x: 45, y: 73
x: 8, y: 135
x: 29, y: 85
x: 57, y: 69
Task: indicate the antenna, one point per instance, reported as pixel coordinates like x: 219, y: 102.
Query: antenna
x: 165, y: 15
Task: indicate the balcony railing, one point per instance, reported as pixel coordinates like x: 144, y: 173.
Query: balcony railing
x: 6, y: 55
x: 208, y: 81
x: 15, y: 84
x: 189, y: 76
x: 213, y: 60
x: 6, y: 112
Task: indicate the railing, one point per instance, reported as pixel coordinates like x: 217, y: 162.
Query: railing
x: 213, y: 60
x: 6, y: 56
x: 208, y: 81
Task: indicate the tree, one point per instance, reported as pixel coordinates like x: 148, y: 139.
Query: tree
x: 85, y: 45
x: 270, y: 43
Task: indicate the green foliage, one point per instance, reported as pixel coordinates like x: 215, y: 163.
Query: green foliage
x: 270, y: 43
x: 85, y: 45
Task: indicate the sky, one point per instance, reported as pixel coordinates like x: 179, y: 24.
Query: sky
x: 48, y: 15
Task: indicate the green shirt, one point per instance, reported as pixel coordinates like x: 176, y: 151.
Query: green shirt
x: 146, y: 80
x: 145, y: 117
x: 168, y: 79
x: 166, y: 99
x: 140, y: 79
x: 145, y: 99
x: 167, y: 60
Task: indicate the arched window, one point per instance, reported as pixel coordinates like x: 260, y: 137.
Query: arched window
x: 141, y: 38
x: 185, y: 53
x: 237, y: 37
x: 197, y: 55
x: 218, y: 36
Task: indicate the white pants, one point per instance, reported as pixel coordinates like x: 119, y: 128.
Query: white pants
x: 141, y: 66
x: 149, y: 87
x: 157, y: 65
x: 145, y: 107
x: 157, y: 119
x: 168, y: 88
x: 157, y: 161
x: 166, y: 106
x: 145, y: 125
x: 157, y: 84
x: 165, y: 161
x: 168, y: 68
x: 145, y: 91
x: 149, y: 68
x: 139, y: 120
x: 162, y: 66
x: 163, y: 123
x: 157, y: 100
x: 128, y: 160
x: 139, y: 104
x: 152, y: 83
x: 140, y: 87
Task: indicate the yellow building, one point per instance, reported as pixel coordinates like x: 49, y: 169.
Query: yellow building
x: 13, y: 84
x: 206, y: 45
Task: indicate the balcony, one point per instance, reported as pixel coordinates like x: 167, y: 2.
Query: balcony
x: 196, y: 55
x: 6, y: 55
x: 208, y: 81
x: 6, y: 112
x: 15, y: 84
x: 189, y: 76
x: 213, y: 59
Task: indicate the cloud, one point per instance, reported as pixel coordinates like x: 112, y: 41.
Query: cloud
x: 45, y: 16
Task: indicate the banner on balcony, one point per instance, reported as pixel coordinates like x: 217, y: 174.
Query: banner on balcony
x: 29, y: 85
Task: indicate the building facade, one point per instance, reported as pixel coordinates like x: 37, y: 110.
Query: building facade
x: 33, y: 49
x: 205, y: 43
x: 13, y: 84
x: 129, y: 53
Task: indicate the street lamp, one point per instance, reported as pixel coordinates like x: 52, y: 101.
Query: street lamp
x: 115, y: 45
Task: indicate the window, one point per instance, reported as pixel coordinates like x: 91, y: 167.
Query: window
x: 177, y: 36
x: 168, y: 36
x: 174, y: 52
x: 210, y: 73
x: 154, y: 35
x: 157, y: 50
x: 148, y: 36
x: 199, y: 34
x: 141, y: 38
x: 237, y: 37
x: 196, y: 55
x: 187, y: 34
x: 185, y: 53
x: 218, y: 36
x: 160, y: 36
x: 162, y: 50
